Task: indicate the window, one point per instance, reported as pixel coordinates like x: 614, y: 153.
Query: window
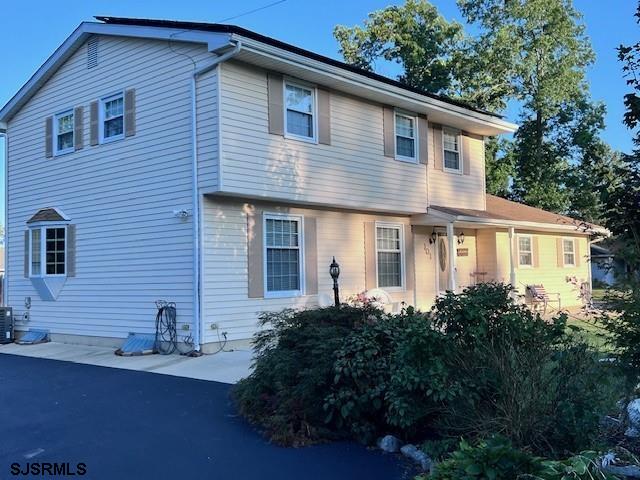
x: 48, y: 248
x: 568, y: 252
x: 300, y: 111
x: 451, y: 146
x: 112, y: 118
x: 405, y: 137
x: 389, y: 255
x: 283, y: 273
x: 63, y: 137
x: 525, y: 251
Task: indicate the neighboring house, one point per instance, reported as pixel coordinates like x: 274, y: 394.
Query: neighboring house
x: 605, y: 265
x: 223, y: 170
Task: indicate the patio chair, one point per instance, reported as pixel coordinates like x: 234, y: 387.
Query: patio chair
x: 540, y: 296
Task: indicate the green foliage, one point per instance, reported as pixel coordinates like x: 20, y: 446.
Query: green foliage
x: 390, y: 375
x: 523, y: 377
x: 293, y: 369
x: 499, y: 167
x: 413, y: 35
x: 492, y: 459
x: 497, y: 459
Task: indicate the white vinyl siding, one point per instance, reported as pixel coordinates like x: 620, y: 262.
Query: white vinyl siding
x: 406, y: 137
x: 121, y: 196
x: 569, y: 252
x: 63, y: 141
x: 225, y: 273
x: 300, y: 111
x: 525, y: 251
x: 458, y: 191
x: 389, y: 257
x: 112, y: 118
x: 352, y: 172
x: 283, y: 243
x: 452, y: 157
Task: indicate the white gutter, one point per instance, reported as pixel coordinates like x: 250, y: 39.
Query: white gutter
x: 197, y: 240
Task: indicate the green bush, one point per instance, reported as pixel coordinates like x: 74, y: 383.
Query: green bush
x: 293, y: 371
x: 497, y: 459
x: 523, y: 377
x: 492, y: 459
x: 390, y: 376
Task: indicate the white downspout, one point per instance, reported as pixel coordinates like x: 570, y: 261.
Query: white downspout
x: 3, y: 134
x: 197, y: 273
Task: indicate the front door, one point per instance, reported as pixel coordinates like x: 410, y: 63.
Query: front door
x: 443, y: 264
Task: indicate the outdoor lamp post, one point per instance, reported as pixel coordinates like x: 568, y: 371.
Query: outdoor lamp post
x: 334, y: 271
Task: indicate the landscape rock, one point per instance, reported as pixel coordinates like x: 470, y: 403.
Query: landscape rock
x: 389, y: 444
x: 418, y: 456
x: 633, y: 410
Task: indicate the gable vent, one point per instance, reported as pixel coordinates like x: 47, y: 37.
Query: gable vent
x: 92, y: 52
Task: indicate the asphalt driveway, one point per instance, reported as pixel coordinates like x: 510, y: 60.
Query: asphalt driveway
x: 131, y: 424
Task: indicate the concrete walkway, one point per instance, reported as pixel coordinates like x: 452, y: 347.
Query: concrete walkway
x: 224, y: 367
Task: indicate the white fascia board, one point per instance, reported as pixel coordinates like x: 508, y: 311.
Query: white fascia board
x: 214, y: 41
x: 364, y: 82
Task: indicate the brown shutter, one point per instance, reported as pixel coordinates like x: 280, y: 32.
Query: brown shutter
x: 93, y: 124
x: 559, y: 255
x: 437, y: 147
x: 466, y: 154
x: 576, y: 249
x: 324, y: 116
x: 255, y: 269
x: 535, y: 251
x: 71, y: 250
x: 275, y: 89
x: 370, y: 280
x: 48, y: 137
x: 409, y: 265
x: 26, y: 253
x: 130, y: 112
x: 423, y: 139
x: 78, y: 134
x: 388, y: 126
x: 310, y: 256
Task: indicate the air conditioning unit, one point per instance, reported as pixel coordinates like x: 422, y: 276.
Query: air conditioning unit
x: 6, y: 325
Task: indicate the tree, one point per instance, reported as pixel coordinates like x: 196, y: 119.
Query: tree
x: 543, y: 50
x: 413, y: 35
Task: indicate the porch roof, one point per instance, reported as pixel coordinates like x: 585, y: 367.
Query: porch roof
x: 505, y: 213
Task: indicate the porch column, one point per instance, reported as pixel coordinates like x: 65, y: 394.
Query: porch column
x: 452, y: 257
x: 512, y: 260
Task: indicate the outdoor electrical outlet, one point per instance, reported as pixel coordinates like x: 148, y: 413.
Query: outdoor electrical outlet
x: 185, y: 326
x: 214, y: 326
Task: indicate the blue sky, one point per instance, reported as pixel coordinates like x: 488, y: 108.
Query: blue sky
x: 33, y: 29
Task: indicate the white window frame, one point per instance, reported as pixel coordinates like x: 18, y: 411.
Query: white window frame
x: 56, y: 132
x: 43, y: 250
x: 314, y: 110
x: 101, y: 117
x: 573, y: 241
x: 403, y: 270
x: 414, y: 119
x: 283, y: 293
x: 458, y: 134
x: 530, y: 237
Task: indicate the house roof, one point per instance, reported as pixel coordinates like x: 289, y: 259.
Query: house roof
x: 233, y: 29
x: 49, y: 214
x: 500, y: 209
x: 269, y: 54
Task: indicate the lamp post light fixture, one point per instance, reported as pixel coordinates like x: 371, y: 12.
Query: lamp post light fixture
x: 334, y: 271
